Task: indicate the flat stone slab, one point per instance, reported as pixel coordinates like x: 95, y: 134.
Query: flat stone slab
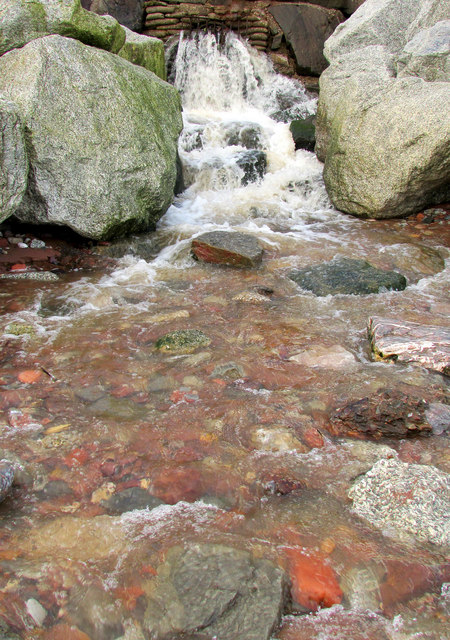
x: 228, y: 247
x: 402, y: 341
x: 411, y: 499
x: 211, y: 590
x: 347, y: 276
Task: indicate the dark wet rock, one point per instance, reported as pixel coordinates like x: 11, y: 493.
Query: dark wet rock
x: 228, y: 247
x: 402, y: 341
x: 130, y: 499
x: 306, y: 27
x: 347, y: 276
x: 244, y: 134
x: 253, y: 163
x: 182, y: 341
x: 304, y: 133
x: 54, y: 489
x: 159, y: 383
x: 129, y: 13
x: 122, y: 409
x: 387, y: 413
x: 56, y: 306
x: 216, y: 590
x: 6, y: 478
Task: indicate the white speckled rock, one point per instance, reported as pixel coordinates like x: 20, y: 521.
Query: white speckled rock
x: 406, y: 500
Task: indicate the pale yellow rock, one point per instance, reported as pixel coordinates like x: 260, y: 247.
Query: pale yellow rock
x: 336, y: 358
x: 168, y: 316
x: 103, y: 493
x: 277, y: 439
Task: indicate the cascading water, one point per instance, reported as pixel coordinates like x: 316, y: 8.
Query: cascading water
x: 132, y: 450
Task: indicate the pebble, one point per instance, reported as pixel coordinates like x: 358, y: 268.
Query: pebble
x: 32, y: 275
x: 37, y: 244
x: 36, y: 611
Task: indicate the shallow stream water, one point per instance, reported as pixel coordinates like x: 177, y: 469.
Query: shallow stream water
x: 232, y: 438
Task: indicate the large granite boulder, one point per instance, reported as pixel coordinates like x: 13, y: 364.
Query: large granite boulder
x: 306, y: 27
x: 13, y: 159
x: 144, y: 51
x: 427, y: 56
x: 210, y: 590
x: 103, y: 137
x: 22, y: 21
x: 130, y: 13
x: 385, y: 138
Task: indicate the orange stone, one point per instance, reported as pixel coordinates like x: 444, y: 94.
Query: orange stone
x: 314, y: 583
x: 30, y: 376
x: 64, y: 631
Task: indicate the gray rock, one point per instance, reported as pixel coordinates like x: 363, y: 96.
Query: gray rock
x: 407, y: 499
x: 103, y: 137
x: 427, y: 55
x: 306, y: 27
x: 6, y: 478
x: 376, y: 22
x: 145, y: 52
x: 22, y: 21
x: 13, y: 159
x: 244, y: 134
x: 228, y: 247
x: 130, y: 499
x: 217, y: 591
x: 410, y: 342
x: 130, y: 13
x: 347, y: 276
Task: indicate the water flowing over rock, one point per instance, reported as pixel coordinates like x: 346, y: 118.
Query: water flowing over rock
x: 21, y: 22
x: 389, y: 414
x: 225, y: 247
x: 347, y: 276
x: 217, y: 591
x: 6, y: 478
x: 367, y: 172
x: 13, y: 159
x: 103, y: 137
x: 405, y: 498
x: 410, y: 342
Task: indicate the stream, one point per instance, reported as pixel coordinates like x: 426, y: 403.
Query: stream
x: 126, y: 451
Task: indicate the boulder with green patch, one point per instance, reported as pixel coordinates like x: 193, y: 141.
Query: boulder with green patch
x: 22, y: 21
x: 145, y: 52
x: 102, y: 137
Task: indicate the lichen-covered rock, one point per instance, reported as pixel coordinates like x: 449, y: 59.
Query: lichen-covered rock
x: 347, y: 276
x: 409, y: 499
x: 22, y: 21
x: 410, y: 342
x: 145, y: 52
x: 13, y: 159
x: 385, y: 140
x: 103, y: 137
x: 228, y: 247
x: 427, y: 55
x: 217, y: 591
x: 182, y: 341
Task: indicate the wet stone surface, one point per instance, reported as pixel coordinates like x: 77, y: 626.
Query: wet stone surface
x: 347, y: 276
x: 230, y: 248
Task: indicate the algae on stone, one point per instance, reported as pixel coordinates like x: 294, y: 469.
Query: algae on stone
x: 145, y: 52
x: 182, y: 341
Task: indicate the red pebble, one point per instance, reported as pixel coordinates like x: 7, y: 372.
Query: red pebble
x: 314, y: 582
x: 76, y: 458
x: 19, y: 266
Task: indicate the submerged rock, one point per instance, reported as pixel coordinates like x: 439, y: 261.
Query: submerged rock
x: 108, y: 167
x: 228, y: 247
x: 405, y: 498
x: 217, y: 591
x: 130, y: 499
x: 182, y: 341
x: 389, y: 414
x: 6, y: 478
x: 347, y: 276
x: 253, y: 163
x: 334, y: 357
x: 410, y: 342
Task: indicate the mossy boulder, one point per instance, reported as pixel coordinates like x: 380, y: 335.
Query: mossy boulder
x: 22, y: 21
x: 102, y: 137
x: 347, y: 276
x: 13, y: 159
x: 145, y: 52
x: 182, y: 341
